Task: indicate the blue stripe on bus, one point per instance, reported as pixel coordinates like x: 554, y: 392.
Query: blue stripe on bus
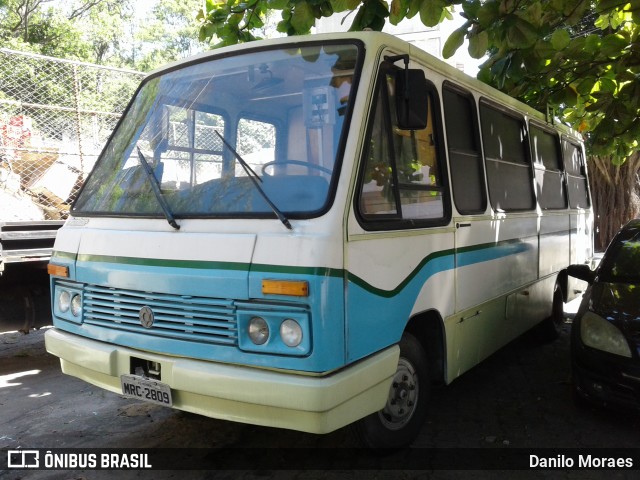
x: 368, y: 308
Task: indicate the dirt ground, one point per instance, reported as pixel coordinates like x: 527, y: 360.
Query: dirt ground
x: 519, y: 398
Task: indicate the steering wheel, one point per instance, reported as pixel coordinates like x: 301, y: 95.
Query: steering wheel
x: 310, y: 166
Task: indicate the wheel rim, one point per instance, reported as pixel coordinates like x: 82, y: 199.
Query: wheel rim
x: 403, y: 397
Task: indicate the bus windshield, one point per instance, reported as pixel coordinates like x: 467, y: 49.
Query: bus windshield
x: 243, y: 135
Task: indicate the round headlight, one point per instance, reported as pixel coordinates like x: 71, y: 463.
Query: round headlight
x: 597, y: 332
x: 76, y: 305
x: 291, y: 333
x: 258, y: 330
x: 64, y: 301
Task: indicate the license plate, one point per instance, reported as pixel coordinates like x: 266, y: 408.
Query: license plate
x: 146, y: 389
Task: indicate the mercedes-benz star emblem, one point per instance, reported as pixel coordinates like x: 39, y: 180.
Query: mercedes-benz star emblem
x: 146, y: 317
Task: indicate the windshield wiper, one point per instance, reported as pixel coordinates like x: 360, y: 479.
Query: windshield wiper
x: 155, y: 186
x: 255, y: 179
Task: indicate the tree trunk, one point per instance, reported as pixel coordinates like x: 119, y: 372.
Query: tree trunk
x: 615, y: 191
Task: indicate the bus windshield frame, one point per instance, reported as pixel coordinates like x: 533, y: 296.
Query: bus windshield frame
x: 283, y: 111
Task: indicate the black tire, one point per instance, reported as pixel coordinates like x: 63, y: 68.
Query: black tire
x: 400, y: 421
x: 551, y: 327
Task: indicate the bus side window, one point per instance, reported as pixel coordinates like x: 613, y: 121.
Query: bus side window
x: 508, y: 169
x: 465, y: 159
x: 545, y: 148
x: 402, y: 178
x: 576, y: 175
x: 377, y: 196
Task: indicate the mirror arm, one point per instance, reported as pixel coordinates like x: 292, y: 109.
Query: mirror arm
x: 405, y: 59
x: 395, y: 58
x: 581, y: 272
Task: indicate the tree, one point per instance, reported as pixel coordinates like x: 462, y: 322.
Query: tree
x: 579, y: 57
x: 107, y: 32
x: 583, y: 58
x: 104, y: 24
x: 19, y: 16
x: 168, y: 32
x: 88, y: 30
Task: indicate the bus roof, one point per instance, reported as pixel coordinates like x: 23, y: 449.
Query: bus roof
x: 375, y: 41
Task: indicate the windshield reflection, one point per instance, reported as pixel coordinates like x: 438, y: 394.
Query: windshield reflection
x: 282, y: 111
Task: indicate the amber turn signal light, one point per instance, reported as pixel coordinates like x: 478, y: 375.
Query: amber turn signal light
x: 295, y: 288
x: 58, y: 270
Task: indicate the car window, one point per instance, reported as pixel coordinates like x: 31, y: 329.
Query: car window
x: 621, y: 262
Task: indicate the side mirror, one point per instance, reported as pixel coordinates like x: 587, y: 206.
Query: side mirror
x: 412, y: 100
x: 582, y: 272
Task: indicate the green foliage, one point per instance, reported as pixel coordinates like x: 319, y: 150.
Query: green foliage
x: 454, y: 42
x: 584, y: 65
x: 80, y: 29
x: 168, y: 32
x: 235, y: 21
x: 546, y: 53
x: 580, y: 57
x: 108, y: 32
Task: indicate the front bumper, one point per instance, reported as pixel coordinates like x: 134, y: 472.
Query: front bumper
x: 315, y: 404
x: 599, y: 378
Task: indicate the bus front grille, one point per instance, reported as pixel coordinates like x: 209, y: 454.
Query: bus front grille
x: 189, y: 318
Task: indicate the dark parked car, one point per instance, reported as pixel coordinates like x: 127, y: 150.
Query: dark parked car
x: 605, y: 337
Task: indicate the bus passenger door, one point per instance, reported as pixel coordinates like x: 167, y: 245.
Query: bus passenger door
x: 495, y: 258
x: 496, y: 249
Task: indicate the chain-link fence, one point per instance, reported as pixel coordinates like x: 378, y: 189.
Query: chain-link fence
x: 55, y: 116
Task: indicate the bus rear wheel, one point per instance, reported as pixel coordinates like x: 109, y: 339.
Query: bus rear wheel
x: 400, y: 421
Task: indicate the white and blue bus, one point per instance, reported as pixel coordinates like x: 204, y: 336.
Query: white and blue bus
x: 309, y: 232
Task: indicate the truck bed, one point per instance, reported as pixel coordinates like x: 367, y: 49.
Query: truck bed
x: 27, y: 241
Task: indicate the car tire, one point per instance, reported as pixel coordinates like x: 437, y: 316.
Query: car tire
x: 400, y: 421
